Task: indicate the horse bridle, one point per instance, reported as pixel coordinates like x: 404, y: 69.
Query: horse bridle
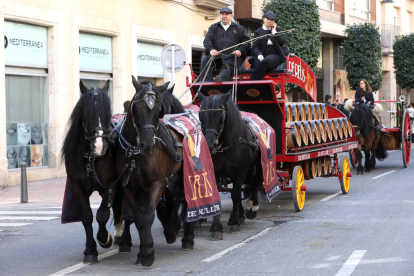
x: 223, y: 119
x: 150, y: 97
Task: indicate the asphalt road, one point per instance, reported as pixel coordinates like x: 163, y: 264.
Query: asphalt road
x: 367, y: 232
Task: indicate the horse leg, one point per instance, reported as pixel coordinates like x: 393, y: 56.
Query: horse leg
x: 367, y: 161
x: 102, y: 217
x: 117, y: 209
x: 242, y: 217
x: 187, y: 242
x: 360, y: 168
x: 253, y: 204
x: 144, y: 220
x: 216, y: 229
x: 234, y: 221
x: 125, y: 241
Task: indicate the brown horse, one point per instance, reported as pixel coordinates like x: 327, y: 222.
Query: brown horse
x: 368, y: 132
x: 148, y: 158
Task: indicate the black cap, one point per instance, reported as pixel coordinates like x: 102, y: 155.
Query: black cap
x: 226, y: 9
x: 270, y: 15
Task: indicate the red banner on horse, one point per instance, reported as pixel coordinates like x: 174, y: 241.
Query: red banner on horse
x: 200, y: 186
x: 267, y: 142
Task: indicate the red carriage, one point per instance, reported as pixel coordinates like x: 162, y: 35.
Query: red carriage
x: 297, y: 159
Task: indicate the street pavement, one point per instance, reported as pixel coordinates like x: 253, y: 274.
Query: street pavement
x: 367, y: 232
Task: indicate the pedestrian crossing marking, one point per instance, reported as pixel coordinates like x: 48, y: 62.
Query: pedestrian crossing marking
x: 30, y: 212
x: 26, y: 218
x: 13, y: 224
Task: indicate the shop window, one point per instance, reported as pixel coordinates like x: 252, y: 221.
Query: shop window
x: 27, y: 121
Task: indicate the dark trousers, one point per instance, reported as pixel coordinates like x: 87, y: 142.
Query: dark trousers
x: 218, y: 64
x: 260, y: 67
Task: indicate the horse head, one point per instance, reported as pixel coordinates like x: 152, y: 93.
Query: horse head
x: 96, y: 117
x: 213, y: 112
x: 146, y: 108
x: 172, y: 104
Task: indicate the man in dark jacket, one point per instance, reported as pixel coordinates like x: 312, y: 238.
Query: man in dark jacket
x: 220, y: 36
x: 328, y: 99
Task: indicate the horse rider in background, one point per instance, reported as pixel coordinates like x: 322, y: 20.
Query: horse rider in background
x: 220, y: 36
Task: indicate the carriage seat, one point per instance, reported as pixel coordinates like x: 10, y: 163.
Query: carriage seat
x: 282, y: 68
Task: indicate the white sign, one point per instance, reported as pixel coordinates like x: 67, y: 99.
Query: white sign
x: 25, y: 45
x: 95, y: 53
x: 149, y: 60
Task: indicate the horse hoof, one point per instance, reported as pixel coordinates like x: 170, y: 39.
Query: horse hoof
x: 242, y: 219
x: 124, y: 249
x: 251, y: 214
x: 90, y: 259
x: 145, y: 261
x: 108, y: 242
x: 187, y: 245
x: 215, y: 236
x: 117, y: 241
x: 233, y: 228
x: 171, y: 240
x: 358, y: 173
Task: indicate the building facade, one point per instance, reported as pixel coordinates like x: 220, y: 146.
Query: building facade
x: 51, y: 45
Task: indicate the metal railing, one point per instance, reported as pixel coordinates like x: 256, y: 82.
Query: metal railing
x: 388, y: 33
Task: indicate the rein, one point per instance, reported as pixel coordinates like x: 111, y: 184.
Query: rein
x: 223, y: 120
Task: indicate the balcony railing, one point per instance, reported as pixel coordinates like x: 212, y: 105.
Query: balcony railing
x: 388, y: 33
x: 214, y: 4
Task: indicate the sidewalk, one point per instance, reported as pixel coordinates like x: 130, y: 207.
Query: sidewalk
x: 44, y: 192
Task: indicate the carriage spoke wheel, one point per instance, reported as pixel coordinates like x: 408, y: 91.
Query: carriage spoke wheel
x: 353, y: 158
x: 345, y: 169
x: 406, y: 139
x: 298, y: 180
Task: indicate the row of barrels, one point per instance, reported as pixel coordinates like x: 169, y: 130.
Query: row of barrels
x: 313, y: 132
x: 317, y: 167
x: 306, y: 111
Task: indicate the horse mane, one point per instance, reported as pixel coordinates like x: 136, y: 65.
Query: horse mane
x: 172, y: 104
x: 235, y: 127
x: 94, y: 109
x: 341, y: 108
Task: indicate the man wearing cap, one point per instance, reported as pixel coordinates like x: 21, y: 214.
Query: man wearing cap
x: 268, y: 50
x: 220, y: 36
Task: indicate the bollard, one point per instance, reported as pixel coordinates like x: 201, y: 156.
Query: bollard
x: 24, y: 192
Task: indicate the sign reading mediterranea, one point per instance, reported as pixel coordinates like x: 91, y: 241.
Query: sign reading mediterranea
x: 95, y: 53
x: 25, y: 45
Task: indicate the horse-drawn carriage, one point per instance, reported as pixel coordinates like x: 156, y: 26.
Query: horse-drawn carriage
x: 397, y: 136
x: 309, y: 135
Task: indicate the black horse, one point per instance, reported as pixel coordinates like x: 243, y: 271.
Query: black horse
x: 235, y: 156
x: 148, y: 158
x: 89, y: 158
x: 368, y: 134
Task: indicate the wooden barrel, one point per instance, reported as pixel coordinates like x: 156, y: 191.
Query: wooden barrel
x: 302, y: 112
x: 306, y: 170
x: 350, y: 128
x: 317, y: 131
x: 309, y: 111
x: 319, y: 166
x: 294, y: 139
x: 304, y: 134
x: 295, y: 111
x: 325, y: 112
x: 344, y: 127
x: 311, y: 133
x: 329, y: 165
x: 288, y: 113
x: 313, y: 169
x: 338, y: 125
x: 324, y: 133
x: 329, y: 131
x: 320, y: 111
x: 315, y: 112
x: 325, y: 165
x: 334, y: 130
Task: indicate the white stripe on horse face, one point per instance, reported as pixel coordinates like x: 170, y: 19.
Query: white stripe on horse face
x: 98, y: 141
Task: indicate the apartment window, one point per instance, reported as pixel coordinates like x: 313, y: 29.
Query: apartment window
x: 326, y: 4
x: 397, y: 16
x: 149, y: 62
x: 361, y: 8
x: 196, y: 56
x: 338, y: 55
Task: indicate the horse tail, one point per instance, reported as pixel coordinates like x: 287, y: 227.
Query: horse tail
x: 381, y: 153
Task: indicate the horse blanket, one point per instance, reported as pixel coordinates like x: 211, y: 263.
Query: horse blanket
x: 266, y: 137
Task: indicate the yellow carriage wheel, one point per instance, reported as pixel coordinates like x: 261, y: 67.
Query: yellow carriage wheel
x: 298, y: 193
x: 346, y: 180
